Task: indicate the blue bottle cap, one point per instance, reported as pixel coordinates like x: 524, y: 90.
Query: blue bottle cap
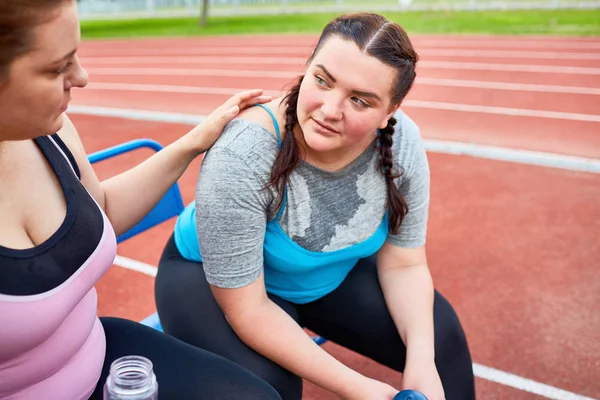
x: 410, y: 395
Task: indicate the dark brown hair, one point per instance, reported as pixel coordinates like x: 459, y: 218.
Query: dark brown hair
x: 17, y: 20
x: 389, y: 43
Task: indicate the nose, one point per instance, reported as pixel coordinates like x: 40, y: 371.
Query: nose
x: 331, y: 108
x: 79, y: 77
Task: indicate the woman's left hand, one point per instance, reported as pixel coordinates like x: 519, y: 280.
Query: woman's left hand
x: 208, y: 131
x: 423, y: 376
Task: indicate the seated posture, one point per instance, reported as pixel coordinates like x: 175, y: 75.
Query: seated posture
x: 311, y: 211
x: 58, y: 225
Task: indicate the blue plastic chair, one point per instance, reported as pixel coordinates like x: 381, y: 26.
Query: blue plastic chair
x: 171, y: 205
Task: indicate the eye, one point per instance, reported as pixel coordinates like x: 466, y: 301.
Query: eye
x: 320, y: 81
x: 360, y: 102
x: 64, y: 69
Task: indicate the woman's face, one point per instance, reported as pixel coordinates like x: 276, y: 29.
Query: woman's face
x: 37, y: 88
x: 344, y: 97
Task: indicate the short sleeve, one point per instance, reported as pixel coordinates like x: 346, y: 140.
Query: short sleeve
x: 230, y: 219
x: 414, y: 184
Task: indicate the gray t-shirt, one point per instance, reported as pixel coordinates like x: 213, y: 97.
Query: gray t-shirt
x: 325, y: 211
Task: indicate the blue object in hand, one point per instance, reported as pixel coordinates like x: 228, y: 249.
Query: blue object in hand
x: 410, y: 395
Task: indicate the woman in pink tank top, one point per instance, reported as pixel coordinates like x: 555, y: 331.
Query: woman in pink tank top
x: 58, y: 224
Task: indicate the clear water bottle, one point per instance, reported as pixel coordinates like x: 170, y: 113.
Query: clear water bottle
x: 131, y: 378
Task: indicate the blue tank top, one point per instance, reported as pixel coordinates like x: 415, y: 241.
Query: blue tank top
x: 290, y: 271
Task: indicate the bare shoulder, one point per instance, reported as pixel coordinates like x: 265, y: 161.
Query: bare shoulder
x: 260, y: 116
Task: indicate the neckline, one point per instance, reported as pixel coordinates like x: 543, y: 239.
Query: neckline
x: 69, y: 218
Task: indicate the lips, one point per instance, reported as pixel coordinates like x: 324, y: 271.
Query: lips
x: 65, y: 106
x: 325, y: 126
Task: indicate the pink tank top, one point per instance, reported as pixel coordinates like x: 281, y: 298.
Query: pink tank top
x: 52, y: 344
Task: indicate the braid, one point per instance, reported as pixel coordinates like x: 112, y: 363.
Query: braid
x: 289, y: 154
x: 395, y: 201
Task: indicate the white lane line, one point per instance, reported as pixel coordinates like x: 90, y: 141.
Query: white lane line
x: 508, y: 54
x: 524, y: 384
x: 201, y: 60
x: 505, y: 44
x: 481, y: 371
x: 306, y: 50
x: 291, y: 75
x: 192, y: 72
x: 458, y: 148
x: 138, y: 87
x: 502, y: 110
x: 526, y: 87
x: 299, y: 61
x: 135, y: 265
x: 514, y: 155
x: 141, y: 87
x: 551, y: 69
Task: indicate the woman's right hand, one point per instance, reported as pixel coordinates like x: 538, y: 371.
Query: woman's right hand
x: 372, y: 389
x: 206, y: 133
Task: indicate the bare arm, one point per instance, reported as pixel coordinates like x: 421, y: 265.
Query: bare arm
x: 404, y: 274
x: 265, y: 327
x: 128, y: 197
x: 408, y: 290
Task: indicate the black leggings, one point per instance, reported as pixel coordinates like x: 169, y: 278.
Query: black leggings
x: 183, y: 372
x: 354, y: 316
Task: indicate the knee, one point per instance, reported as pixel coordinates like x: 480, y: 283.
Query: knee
x: 287, y: 384
x: 450, y: 338
x: 260, y: 391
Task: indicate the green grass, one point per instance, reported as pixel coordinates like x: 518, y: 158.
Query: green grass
x: 537, y: 22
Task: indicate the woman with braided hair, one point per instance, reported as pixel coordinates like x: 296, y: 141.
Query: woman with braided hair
x: 311, y: 211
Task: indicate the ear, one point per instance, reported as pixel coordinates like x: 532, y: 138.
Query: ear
x: 390, y: 114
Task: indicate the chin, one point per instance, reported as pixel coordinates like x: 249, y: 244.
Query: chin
x: 55, y: 125
x: 320, y: 143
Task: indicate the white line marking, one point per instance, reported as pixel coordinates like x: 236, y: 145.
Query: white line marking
x: 291, y: 74
x: 138, y: 87
x: 299, y: 61
x: 527, y: 87
x: 193, y: 72
x: 135, y: 265
x: 507, y: 54
x: 502, y: 110
x: 505, y: 44
x: 306, y: 50
x: 141, y: 87
x: 496, y: 153
x: 481, y: 371
x: 201, y: 60
x: 524, y: 384
x: 552, y: 69
x: 301, y: 51
x: 514, y: 155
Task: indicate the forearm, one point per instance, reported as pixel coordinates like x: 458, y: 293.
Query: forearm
x: 274, y: 334
x: 129, y: 196
x: 409, y: 293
